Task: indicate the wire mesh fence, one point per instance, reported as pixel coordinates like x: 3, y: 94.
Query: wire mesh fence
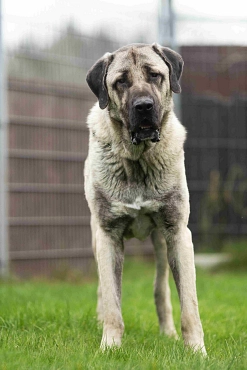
x: 48, y: 102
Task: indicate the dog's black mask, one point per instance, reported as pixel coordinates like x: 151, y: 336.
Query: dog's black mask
x: 143, y: 118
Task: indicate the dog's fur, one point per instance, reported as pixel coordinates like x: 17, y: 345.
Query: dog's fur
x: 135, y: 183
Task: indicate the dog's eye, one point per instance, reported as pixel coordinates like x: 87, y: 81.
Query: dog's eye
x: 121, y: 80
x: 154, y: 74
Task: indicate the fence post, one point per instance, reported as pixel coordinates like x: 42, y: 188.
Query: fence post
x: 4, y: 255
x: 167, y: 37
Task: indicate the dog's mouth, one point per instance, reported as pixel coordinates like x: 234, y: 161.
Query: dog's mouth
x: 146, y: 131
x: 145, y: 126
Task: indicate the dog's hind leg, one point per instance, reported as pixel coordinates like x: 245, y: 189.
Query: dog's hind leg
x: 110, y: 256
x: 99, y: 309
x: 162, y: 294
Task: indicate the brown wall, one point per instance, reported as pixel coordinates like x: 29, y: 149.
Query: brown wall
x: 48, y: 142
x: 215, y: 70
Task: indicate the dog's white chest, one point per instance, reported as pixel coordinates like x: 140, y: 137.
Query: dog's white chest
x: 142, y: 223
x: 139, y: 204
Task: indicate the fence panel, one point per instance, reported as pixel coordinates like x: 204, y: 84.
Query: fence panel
x: 48, y: 142
x: 214, y: 108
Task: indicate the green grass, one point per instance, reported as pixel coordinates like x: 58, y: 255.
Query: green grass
x: 238, y: 252
x: 52, y: 325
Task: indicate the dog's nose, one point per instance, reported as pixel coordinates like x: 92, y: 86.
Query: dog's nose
x: 143, y: 105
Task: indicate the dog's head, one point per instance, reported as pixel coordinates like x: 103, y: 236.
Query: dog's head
x: 136, y: 83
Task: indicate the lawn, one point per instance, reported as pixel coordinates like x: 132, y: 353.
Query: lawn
x: 52, y: 325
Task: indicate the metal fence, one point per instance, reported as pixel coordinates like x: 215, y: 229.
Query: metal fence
x: 214, y: 110
x: 48, y: 103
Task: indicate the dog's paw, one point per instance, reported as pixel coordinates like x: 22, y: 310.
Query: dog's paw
x: 172, y: 334
x: 110, y: 340
x: 169, y: 332
x: 198, y: 348
x: 109, y: 344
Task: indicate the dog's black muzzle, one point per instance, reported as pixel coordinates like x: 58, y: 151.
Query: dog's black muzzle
x: 143, y: 118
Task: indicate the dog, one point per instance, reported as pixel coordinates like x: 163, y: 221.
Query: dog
x: 135, y: 184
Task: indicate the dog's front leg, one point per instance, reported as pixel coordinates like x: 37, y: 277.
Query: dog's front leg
x: 109, y: 254
x: 181, y: 260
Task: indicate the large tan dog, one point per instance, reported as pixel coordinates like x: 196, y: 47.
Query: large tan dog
x: 135, y: 183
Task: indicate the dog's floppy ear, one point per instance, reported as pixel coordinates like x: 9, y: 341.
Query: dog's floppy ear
x: 175, y: 64
x: 96, y: 79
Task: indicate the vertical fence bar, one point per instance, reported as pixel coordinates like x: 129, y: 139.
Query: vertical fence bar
x: 167, y: 37
x: 4, y: 255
